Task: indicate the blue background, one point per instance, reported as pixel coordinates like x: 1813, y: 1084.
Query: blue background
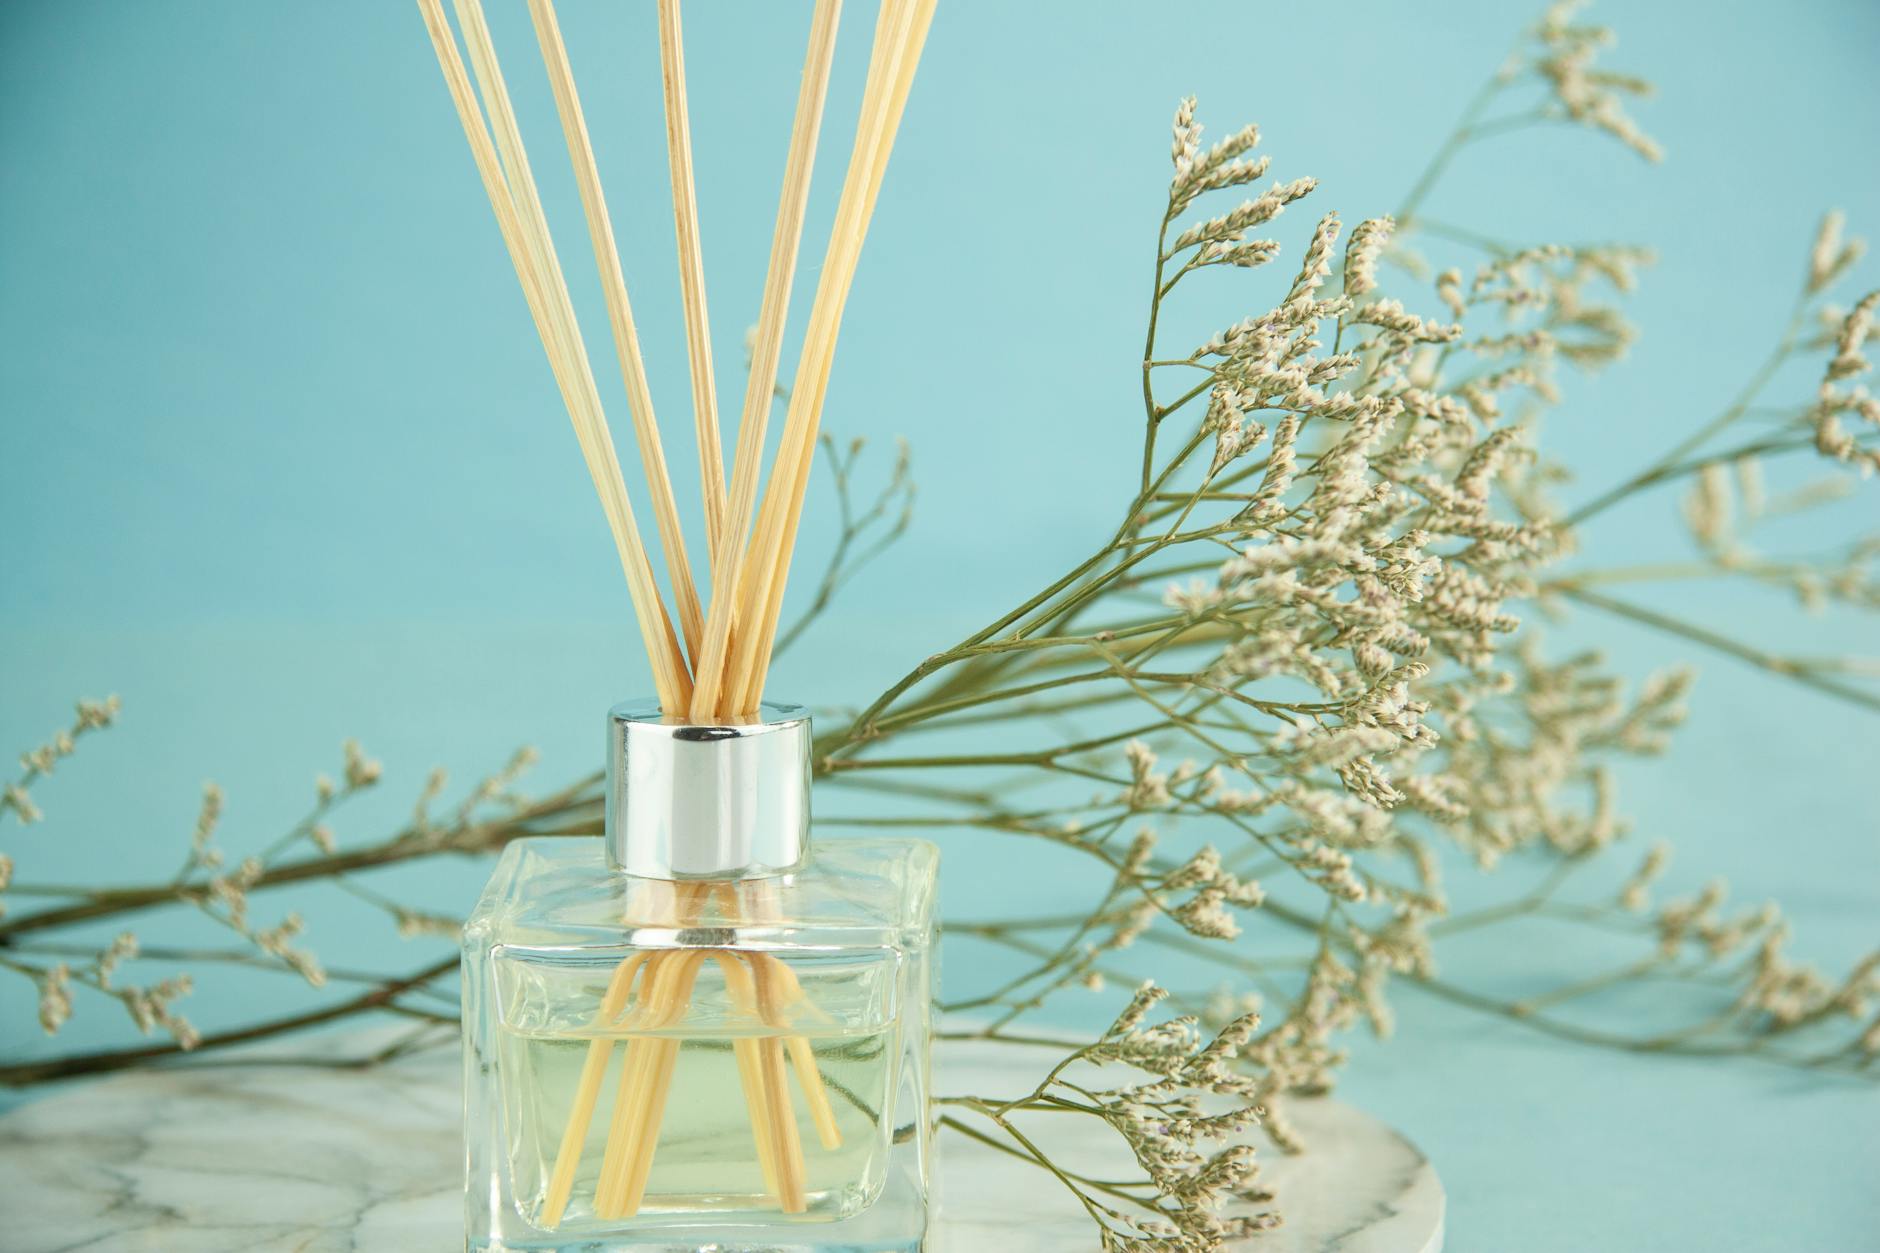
x: 281, y: 462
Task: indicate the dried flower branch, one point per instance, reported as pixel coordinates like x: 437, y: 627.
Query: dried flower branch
x: 864, y: 531
x: 93, y: 715
x: 1187, y: 1182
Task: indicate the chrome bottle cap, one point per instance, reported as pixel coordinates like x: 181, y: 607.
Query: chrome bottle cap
x: 724, y: 801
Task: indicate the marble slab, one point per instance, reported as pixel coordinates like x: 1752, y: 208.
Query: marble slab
x: 271, y: 1158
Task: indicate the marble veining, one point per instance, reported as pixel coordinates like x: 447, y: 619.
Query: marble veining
x: 266, y: 1158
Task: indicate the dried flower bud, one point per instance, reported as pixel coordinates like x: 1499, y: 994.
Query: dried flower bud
x: 55, y: 998
x: 361, y: 771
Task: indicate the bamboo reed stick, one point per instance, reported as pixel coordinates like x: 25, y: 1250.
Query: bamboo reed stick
x: 620, y: 318
x: 786, y: 1146
x: 588, y: 1091
x: 776, y: 988
x: 567, y: 344
x: 766, y: 353
x: 640, y: 1102
x: 773, y: 1124
x: 738, y: 983
x: 652, y: 1117
x: 711, y: 460
x: 815, y: 1092
x: 662, y: 646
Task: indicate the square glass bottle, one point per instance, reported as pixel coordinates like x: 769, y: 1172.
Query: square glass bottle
x: 701, y: 1032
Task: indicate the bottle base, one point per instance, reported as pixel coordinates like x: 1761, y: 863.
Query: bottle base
x: 669, y: 1243
x: 895, y: 1223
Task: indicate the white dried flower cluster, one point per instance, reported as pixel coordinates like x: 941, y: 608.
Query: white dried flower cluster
x: 1214, y: 888
x: 361, y: 770
x: 1783, y: 994
x: 493, y: 789
x: 1148, y: 787
x: 1708, y: 509
x: 276, y: 942
x: 1587, y: 94
x: 1170, y: 1134
x: 1223, y: 240
x: 1633, y: 897
x: 224, y: 897
x: 1834, y: 403
x: 1400, y: 946
x: 35, y: 763
x: 55, y: 998
x: 1234, y: 433
x: 1832, y: 256
x: 149, y: 1006
x: 203, y: 855
x: 16, y: 798
x: 1388, y: 542
x: 1391, y: 315
x: 1551, y: 785
x: 1558, y: 283
x: 434, y: 785
x: 122, y: 949
x: 1299, y: 1055
x: 1361, y: 254
x: 1227, y: 1003
x: 412, y: 923
x: 1220, y: 167
x: 1728, y: 499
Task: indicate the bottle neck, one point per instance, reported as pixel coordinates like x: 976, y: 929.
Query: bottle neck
x: 727, y: 800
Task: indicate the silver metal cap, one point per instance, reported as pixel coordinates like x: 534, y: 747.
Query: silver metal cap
x: 725, y: 801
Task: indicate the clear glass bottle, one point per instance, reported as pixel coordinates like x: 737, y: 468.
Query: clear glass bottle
x: 701, y: 1032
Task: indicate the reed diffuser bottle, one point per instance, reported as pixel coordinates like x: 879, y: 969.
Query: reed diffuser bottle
x: 698, y: 1032
x: 702, y: 1030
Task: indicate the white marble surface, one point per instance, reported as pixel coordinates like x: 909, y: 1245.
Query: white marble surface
x: 300, y: 1159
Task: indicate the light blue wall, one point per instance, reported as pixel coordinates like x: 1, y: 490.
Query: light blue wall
x: 280, y: 460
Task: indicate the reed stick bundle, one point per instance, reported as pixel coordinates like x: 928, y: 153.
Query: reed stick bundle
x: 767, y: 352
x: 718, y: 671
x: 567, y: 359
x: 900, y: 35
x: 619, y: 315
